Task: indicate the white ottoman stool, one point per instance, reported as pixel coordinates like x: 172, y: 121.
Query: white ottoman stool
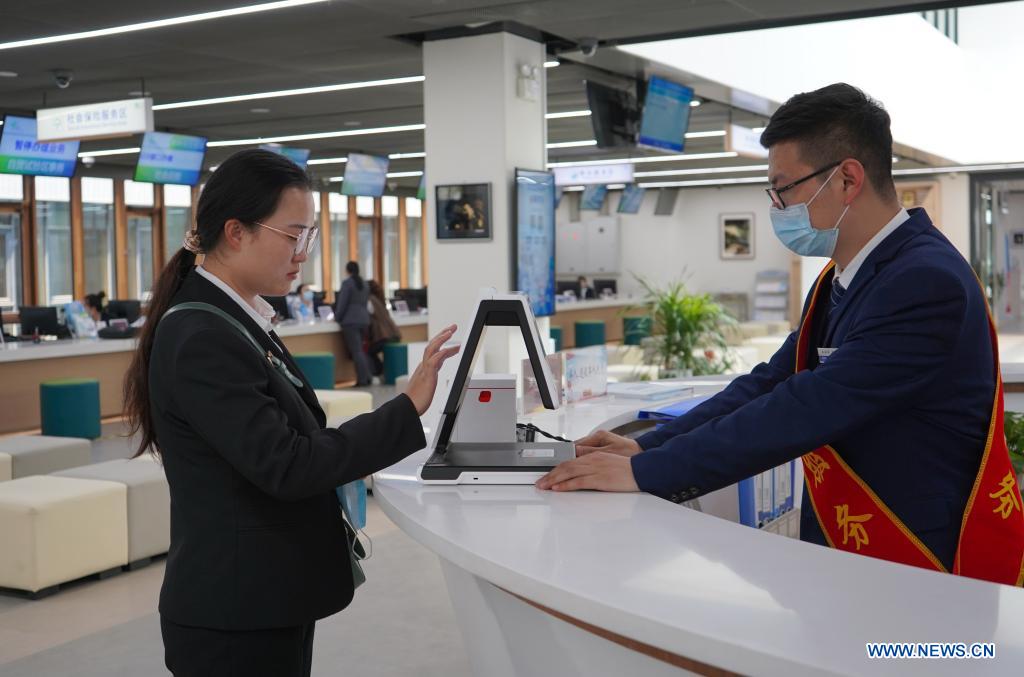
x: 5, y: 467
x: 42, y: 454
x: 57, y: 529
x: 341, y: 405
x: 149, y: 503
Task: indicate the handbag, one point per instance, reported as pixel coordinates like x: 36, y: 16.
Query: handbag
x: 353, y: 493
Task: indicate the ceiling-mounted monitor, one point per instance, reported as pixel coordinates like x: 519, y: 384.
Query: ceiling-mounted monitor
x: 365, y: 175
x: 666, y: 201
x: 299, y: 156
x: 632, y: 198
x: 614, y: 115
x: 22, y: 153
x: 593, y: 198
x: 666, y: 115
x: 170, y: 158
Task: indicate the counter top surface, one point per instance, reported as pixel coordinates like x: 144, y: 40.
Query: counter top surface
x: 693, y: 584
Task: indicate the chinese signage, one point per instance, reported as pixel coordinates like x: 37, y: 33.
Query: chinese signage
x: 583, y: 175
x: 22, y: 153
x: 96, y: 120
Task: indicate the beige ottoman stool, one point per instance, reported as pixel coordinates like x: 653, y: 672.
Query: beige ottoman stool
x: 341, y: 405
x: 149, y: 503
x: 41, y: 454
x: 57, y: 529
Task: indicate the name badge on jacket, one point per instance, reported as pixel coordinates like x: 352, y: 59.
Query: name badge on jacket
x: 824, y: 354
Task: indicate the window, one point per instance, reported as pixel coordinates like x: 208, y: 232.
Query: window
x: 178, y: 219
x: 414, y: 240
x: 364, y: 208
x: 10, y: 258
x: 137, y: 194
x: 313, y: 268
x: 53, y: 240
x: 12, y: 188
x: 338, y: 206
x: 98, y: 235
x: 392, y: 254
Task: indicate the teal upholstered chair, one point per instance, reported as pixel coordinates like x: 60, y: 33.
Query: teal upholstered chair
x: 318, y: 369
x: 396, y: 361
x: 556, y: 333
x: 589, y: 333
x: 70, y: 407
x: 634, y: 329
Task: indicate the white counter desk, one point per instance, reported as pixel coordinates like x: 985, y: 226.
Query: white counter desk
x: 628, y: 584
x: 24, y: 365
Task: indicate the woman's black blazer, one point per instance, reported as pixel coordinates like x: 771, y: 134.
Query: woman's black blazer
x: 257, y: 539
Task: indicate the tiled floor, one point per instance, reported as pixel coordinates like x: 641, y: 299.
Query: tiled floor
x: 401, y: 622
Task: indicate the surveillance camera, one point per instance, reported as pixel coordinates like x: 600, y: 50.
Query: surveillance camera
x: 392, y: 186
x: 63, y: 77
x: 588, y: 46
x: 88, y: 161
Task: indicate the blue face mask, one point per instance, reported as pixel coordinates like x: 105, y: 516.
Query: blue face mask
x: 307, y: 295
x: 793, y: 227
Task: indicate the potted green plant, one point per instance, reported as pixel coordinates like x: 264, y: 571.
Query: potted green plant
x: 688, y: 338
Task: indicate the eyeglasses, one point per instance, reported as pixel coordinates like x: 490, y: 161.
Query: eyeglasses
x: 304, y: 241
x: 775, y: 194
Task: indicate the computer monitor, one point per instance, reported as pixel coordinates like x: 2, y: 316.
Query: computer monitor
x: 318, y: 299
x: 563, y: 286
x: 601, y: 285
x: 41, y: 318
x: 280, y: 306
x: 124, y: 309
x: 415, y: 298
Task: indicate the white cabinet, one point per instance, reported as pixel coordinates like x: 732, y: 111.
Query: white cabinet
x: 588, y: 247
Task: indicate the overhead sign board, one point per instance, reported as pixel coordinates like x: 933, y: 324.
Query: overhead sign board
x: 95, y: 120
x: 745, y: 142
x: 584, y: 175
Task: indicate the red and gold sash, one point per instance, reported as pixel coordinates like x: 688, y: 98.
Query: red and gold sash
x: 853, y: 518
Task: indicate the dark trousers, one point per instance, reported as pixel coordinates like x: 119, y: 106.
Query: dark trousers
x: 353, y: 337
x: 201, y: 652
x: 377, y: 356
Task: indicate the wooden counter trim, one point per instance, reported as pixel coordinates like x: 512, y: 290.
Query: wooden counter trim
x: 654, y: 652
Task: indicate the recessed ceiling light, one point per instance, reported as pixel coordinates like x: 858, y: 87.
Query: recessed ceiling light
x: 259, y: 110
x: 551, y: 64
x: 8, y: 74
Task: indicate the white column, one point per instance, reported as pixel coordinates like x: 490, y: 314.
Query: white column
x: 479, y: 130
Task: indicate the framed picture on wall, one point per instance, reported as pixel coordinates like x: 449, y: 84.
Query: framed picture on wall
x: 464, y: 211
x: 736, y: 236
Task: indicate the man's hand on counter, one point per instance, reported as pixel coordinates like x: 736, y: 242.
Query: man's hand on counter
x: 609, y: 443
x: 598, y: 471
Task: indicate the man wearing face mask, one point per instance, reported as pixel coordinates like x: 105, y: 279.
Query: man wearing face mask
x: 889, y: 391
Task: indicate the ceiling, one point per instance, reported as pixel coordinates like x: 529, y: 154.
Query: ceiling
x: 347, y: 41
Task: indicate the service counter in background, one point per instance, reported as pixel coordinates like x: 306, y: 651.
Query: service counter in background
x: 610, y: 311
x: 24, y: 365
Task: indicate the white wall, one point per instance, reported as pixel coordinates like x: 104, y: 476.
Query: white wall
x: 685, y: 245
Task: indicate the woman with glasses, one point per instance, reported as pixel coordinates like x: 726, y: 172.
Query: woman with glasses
x: 260, y: 549
x: 350, y: 311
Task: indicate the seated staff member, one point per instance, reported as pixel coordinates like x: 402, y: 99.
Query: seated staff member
x: 889, y: 391
x: 259, y: 549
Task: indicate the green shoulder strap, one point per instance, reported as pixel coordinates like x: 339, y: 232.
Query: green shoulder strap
x: 278, y: 364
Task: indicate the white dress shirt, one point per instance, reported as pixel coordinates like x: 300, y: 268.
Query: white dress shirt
x: 847, y: 274
x: 259, y: 310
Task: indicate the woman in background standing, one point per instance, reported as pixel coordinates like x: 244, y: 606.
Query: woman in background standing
x: 350, y: 312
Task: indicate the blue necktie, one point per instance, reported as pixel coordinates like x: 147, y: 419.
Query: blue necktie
x: 837, y: 292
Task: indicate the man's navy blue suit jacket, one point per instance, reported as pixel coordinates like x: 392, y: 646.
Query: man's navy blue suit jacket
x: 905, y: 398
